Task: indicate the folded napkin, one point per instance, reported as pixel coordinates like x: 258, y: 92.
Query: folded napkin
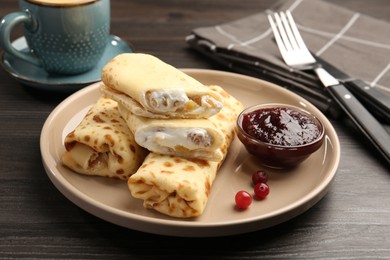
x: 355, y: 43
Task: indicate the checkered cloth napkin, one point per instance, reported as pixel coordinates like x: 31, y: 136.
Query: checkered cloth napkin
x: 355, y: 43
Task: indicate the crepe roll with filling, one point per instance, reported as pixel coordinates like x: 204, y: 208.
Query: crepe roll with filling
x: 180, y: 187
x: 149, y: 87
x: 102, y: 144
x: 189, y: 138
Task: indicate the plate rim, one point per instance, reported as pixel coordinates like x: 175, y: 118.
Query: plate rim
x: 183, y: 227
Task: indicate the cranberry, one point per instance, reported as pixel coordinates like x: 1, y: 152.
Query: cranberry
x: 259, y: 177
x: 243, y: 199
x: 261, y: 190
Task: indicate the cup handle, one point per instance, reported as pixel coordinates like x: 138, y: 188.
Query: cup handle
x: 7, y: 24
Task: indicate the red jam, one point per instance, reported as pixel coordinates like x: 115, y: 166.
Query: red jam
x: 280, y: 126
x: 279, y: 136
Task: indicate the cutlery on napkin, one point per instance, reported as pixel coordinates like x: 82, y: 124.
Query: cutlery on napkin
x: 373, y: 99
x: 335, y: 34
x: 296, y: 55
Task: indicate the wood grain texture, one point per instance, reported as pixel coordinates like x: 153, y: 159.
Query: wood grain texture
x: 37, y: 221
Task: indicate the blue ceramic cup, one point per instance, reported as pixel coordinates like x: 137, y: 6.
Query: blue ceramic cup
x: 64, y: 36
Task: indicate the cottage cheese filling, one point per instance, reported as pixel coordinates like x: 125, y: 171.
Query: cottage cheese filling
x: 167, y: 100
x: 172, y: 100
x: 169, y: 139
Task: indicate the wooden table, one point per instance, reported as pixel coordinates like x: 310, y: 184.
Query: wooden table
x: 37, y: 221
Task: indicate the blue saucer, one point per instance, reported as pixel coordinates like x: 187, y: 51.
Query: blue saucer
x: 33, y: 76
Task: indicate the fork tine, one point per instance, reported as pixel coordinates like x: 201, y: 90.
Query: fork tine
x: 290, y: 35
x: 290, y: 43
x: 295, y: 30
x: 278, y: 39
x: 282, y: 31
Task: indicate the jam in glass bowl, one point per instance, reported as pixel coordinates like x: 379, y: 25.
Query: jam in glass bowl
x: 279, y: 135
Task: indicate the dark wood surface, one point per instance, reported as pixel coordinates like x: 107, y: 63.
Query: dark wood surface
x: 37, y: 221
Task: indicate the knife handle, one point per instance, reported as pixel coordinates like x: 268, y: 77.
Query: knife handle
x: 368, y: 124
x: 377, y: 102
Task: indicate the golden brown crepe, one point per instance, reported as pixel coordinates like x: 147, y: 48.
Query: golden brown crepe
x: 102, y: 144
x: 189, y: 138
x: 180, y: 187
x: 149, y: 87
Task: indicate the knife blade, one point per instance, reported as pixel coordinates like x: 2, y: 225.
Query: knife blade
x: 377, y: 102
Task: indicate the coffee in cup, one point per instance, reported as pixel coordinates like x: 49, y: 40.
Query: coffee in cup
x: 63, y: 36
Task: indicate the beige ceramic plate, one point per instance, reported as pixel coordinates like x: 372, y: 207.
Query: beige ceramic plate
x: 292, y: 192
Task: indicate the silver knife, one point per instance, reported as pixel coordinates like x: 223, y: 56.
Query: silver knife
x: 377, y: 102
x: 366, y: 122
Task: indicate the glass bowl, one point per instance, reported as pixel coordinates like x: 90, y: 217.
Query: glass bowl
x: 279, y: 135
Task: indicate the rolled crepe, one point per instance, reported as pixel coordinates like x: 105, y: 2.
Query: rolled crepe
x: 149, y: 87
x: 189, y: 138
x: 180, y: 187
x: 102, y: 144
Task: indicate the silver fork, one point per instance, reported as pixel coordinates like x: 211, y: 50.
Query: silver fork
x: 296, y: 55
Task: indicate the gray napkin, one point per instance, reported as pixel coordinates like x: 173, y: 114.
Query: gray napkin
x: 357, y: 44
